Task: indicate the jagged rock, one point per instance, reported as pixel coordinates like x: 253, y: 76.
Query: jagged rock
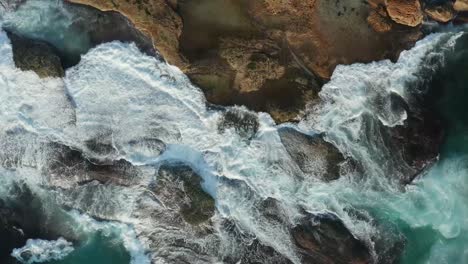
x: 313, y: 154
x: 245, y: 123
x: 461, y: 5
x: 37, y: 56
x: 441, y: 13
x: 324, y: 239
x: 405, y: 12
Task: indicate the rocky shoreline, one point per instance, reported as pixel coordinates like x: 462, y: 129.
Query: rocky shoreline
x: 273, y: 56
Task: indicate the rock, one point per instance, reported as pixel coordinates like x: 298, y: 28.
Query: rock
x: 177, y: 214
x: 267, y: 55
x: 419, y: 139
x: 315, y: 157
x: 245, y: 123
x: 405, y: 12
x: 323, y: 238
x: 67, y: 167
x: 156, y: 19
x: 460, y: 5
x: 249, y: 248
x: 179, y: 183
x: 37, y: 56
x: 379, y: 20
x: 441, y: 13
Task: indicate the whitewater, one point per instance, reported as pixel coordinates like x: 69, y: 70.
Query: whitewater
x: 150, y: 114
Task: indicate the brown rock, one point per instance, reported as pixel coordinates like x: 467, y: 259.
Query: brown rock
x: 461, y: 5
x: 379, y: 21
x: 441, y: 13
x: 270, y: 55
x: 154, y: 18
x: 324, y: 239
x: 405, y: 12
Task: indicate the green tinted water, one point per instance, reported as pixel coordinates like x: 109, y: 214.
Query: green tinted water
x: 433, y: 214
x: 99, y: 249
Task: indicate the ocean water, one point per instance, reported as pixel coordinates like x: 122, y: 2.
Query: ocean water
x: 119, y: 95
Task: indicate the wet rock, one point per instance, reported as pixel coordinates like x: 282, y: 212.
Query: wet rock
x: 37, y: 56
x: 178, y: 217
x: 441, y: 13
x: 157, y: 19
x: 248, y: 248
x: 405, y: 12
x: 461, y: 5
x: 323, y: 238
x: 195, y: 205
x: 245, y: 123
x: 313, y: 154
x: 69, y: 167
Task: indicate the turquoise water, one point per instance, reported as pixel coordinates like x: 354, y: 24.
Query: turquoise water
x: 430, y: 218
x: 98, y: 249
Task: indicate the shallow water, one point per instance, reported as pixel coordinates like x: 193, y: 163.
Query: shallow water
x: 117, y: 94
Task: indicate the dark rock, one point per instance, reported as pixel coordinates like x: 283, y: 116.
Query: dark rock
x: 323, y: 238
x: 72, y: 166
x: 313, y: 154
x: 245, y: 123
x: 37, y: 56
x: 184, y: 185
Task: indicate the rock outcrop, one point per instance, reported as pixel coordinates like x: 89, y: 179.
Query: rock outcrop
x: 37, y: 56
x: 314, y: 156
x: 268, y: 55
x: 405, y: 12
x: 325, y: 239
x: 178, y: 183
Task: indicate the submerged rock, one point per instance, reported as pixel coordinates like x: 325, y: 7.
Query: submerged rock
x: 180, y: 183
x: 323, y: 238
x: 35, y: 55
x: 313, y: 154
x: 245, y: 123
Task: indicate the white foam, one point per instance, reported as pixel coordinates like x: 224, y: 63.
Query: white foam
x: 118, y: 91
x: 137, y: 250
x: 38, y: 251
